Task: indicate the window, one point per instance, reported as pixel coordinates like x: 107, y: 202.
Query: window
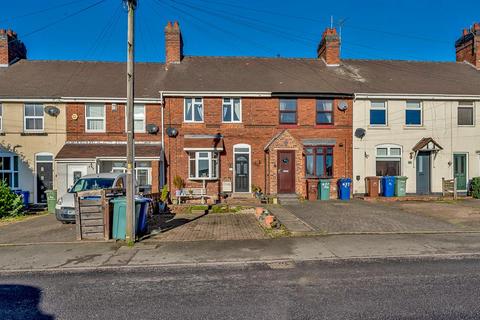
x: 388, y: 160
x: 9, y: 170
x: 143, y: 171
x: 139, y: 118
x: 465, y: 114
x: 1, y: 117
x: 232, y: 110
x: 324, y: 111
x: 193, y: 110
x: 33, y: 117
x: 95, y: 117
x: 203, y: 165
x: 288, y: 111
x: 413, y: 113
x: 378, y: 113
x: 319, y: 161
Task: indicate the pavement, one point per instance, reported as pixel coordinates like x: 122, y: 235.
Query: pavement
x: 436, y: 289
x: 105, y: 255
x: 358, y: 216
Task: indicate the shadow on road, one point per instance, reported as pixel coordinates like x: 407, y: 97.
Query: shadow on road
x: 21, y: 302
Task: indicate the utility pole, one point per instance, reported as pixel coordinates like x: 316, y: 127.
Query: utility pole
x: 130, y: 223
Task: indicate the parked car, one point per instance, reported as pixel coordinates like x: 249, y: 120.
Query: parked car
x: 65, y: 208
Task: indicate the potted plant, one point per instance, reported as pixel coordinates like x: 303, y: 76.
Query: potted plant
x: 257, y: 191
x: 179, y: 185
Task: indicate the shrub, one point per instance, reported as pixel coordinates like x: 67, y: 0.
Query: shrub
x: 164, y: 195
x: 178, y: 182
x: 11, y: 205
x: 476, y: 188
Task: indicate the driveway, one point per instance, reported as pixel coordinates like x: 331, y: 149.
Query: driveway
x: 41, y: 229
x: 358, y: 216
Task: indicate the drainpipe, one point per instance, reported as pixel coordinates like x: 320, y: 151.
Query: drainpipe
x: 162, y: 104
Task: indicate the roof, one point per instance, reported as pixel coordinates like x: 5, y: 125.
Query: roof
x: 54, y: 79
x: 106, y: 150
x: 424, y: 142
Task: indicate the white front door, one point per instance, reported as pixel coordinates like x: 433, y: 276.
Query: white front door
x: 75, y: 172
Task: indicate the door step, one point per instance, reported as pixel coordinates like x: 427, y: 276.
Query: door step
x: 288, y: 199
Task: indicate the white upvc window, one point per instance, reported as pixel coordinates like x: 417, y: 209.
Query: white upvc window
x: 203, y: 165
x: 1, y: 117
x: 9, y: 170
x: 388, y: 160
x: 143, y: 171
x: 94, y: 117
x: 232, y: 110
x: 193, y: 110
x: 414, y: 114
x: 33, y: 117
x: 466, y: 113
x: 378, y: 113
x: 139, y: 122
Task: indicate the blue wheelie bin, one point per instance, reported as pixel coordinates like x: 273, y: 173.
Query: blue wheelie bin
x: 388, y: 186
x: 344, y: 188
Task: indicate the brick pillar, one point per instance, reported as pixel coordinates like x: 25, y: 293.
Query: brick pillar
x: 329, y: 47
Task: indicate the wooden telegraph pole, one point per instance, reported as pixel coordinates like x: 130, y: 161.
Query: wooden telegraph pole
x: 130, y: 223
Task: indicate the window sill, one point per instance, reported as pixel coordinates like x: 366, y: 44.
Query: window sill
x: 203, y: 179
x: 378, y: 127
x: 466, y: 126
x: 34, y: 134
x: 407, y: 127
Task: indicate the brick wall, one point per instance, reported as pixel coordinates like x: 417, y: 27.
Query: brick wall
x: 329, y: 47
x: 11, y: 48
x: 260, y: 124
x: 173, y: 43
x: 468, y: 46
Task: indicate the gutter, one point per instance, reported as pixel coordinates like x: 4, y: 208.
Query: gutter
x: 400, y: 96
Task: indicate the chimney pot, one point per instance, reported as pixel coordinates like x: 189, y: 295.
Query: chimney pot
x: 173, y: 43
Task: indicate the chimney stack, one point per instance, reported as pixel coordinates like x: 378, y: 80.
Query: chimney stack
x: 173, y: 43
x: 329, y: 47
x: 467, y: 47
x: 11, y: 48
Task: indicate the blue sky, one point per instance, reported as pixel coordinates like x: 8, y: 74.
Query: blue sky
x: 380, y: 29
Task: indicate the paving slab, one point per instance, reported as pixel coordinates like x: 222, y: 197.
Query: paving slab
x: 291, y: 221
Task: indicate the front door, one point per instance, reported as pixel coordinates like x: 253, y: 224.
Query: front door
x: 423, y: 172
x: 460, y: 170
x: 242, y: 173
x: 286, y: 171
x: 44, y: 180
x: 75, y: 172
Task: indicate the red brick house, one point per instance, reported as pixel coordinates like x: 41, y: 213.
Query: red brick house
x: 273, y: 123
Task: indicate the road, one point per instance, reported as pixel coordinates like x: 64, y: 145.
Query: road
x: 370, y: 289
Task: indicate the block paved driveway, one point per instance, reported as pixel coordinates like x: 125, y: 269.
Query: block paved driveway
x: 359, y: 216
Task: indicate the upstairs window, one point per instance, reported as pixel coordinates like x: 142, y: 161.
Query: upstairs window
x: 33, y: 117
x: 232, y: 110
x: 324, y: 111
x: 378, y: 113
x: 139, y: 118
x: 203, y: 165
x: 288, y: 111
x: 413, y: 113
x: 319, y: 162
x: 193, y: 110
x: 465, y: 114
x: 95, y: 118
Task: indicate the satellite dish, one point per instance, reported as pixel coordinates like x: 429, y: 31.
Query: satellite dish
x: 360, y: 133
x: 172, y: 132
x: 52, y: 111
x: 152, y: 128
x: 342, y: 105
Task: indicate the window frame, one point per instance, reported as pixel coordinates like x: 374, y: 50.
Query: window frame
x: 25, y: 117
x: 286, y: 111
x: 385, y: 109
x: 193, y: 109
x: 104, y: 118
x: 407, y: 108
x: 123, y: 169
x: 331, y: 112
x: 463, y: 105
x: 315, y: 153
x: 135, y: 118
x: 12, y: 170
x: 211, y: 160
x: 231, y: 104
x: 388, y: 156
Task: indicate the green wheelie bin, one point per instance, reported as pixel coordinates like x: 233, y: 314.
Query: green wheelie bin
x: 400, y: 186
x: 51, y: 200
x: 324, y: 189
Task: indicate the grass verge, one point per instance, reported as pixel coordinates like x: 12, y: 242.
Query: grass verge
x: 9, y: 220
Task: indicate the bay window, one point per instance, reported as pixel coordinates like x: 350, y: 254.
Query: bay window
x: 319, y: 162
x: 9, y: 170
x: 203, y: 165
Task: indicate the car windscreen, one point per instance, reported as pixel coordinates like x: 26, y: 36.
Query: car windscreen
x: 92, y: 184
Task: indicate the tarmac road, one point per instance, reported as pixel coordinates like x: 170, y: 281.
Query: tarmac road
x: 355, y: 289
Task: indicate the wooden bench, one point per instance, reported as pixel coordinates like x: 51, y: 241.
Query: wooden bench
x: 449, y: 186
x: 193, y: 193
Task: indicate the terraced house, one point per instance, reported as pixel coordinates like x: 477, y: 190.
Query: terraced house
x: 228, y: 124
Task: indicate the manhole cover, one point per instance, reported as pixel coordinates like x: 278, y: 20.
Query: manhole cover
x: 281, y: 265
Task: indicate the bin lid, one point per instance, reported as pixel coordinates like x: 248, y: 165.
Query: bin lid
x: 118, y: 199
